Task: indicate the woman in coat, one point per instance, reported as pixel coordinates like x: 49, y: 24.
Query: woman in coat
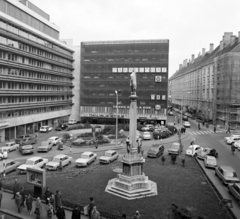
x: 38, y: 208
x: 58, y: 199
x: 76, y: 213
x: 60, y: 213
x: 29, y: 201
x: 52, y: 201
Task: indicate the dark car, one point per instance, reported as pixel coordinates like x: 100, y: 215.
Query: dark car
x: 26, y: 149
x: 156, y: 150
x: 207, y: 152
x: 185, y: 118
x: 61, y: 127
x: 19, y: 139
x: 29, y: 140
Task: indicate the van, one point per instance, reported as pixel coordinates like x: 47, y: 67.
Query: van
x: 176, y: 148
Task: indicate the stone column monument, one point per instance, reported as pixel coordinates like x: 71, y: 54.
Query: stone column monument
x: 132, y: 182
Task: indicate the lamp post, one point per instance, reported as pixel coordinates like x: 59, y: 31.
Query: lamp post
x: 117, y: 92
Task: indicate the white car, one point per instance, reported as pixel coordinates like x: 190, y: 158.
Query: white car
x: 10, y: 146
x: 210, y: 161
x: 3, y: 153
x: 45, y: 129
x: 193, y: 150
x: 55, y: 163
x: 73, y: 121
x: 54, y: 140
x: 85, y: 159
x: 230, y: 137
x: 237, y: 145
x: 186, y: 124
x: 233, y: 139
x: 32, y: 162
x: 146, y: 136
x: 109, y: 156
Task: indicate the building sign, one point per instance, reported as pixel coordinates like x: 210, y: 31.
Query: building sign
x: 152, y: 96
x: 141, y: 70
x: 157, y: 107
x: 4, y: 123
x: 158, y: 97
x: 158, y: 78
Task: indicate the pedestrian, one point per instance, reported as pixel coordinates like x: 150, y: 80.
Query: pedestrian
x: 58, y: 199
x: 199, y: 126
x: 38, y: 208
x: 214, y: 129
x: 124, y: 216
x: 29, y: 201
x: 228, y: 130
x: 47, y: 195
x: 52, y: 201
x: 60, y: 165
x: 22, y: 192
x: 233, y: 149
x: 18, y: 201
x: 15, y: 188
x: 128, y: 144
x: 49, y: 209
x: 95, y: 213
x: 1, y: 195
x: 90, y: 207
x: 76, y: 213
x: 96, y: 144
x: 60, y: 212
x: 70, y: 148
x: 192, y: 141
x: 137, y: 215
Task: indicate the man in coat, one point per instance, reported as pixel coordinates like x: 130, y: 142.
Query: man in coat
x: 47, y: 195
x: 22, y: 192
x: 18, y: 201
x: 15, y: 188
x: 58, y: 199
x: 76, y: 213
x: 90, y: 207
x: 60, y: 212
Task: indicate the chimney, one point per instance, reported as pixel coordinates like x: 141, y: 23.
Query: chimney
x: 232, y: 40
x: 180, y: 66
x: 193, y: 56
x: 203, y: 51
x: 221, y: 45
x: 227, y: 39
x: 211, y: 47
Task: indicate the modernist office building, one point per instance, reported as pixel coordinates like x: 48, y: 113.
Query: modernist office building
x: 35, y: 70
x: 209, y: 84
x: 106, y: 68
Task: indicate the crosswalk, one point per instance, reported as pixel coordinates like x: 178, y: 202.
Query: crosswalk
x: 205, y: 132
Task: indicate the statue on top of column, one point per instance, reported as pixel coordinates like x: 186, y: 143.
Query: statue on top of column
x: 133, y: 82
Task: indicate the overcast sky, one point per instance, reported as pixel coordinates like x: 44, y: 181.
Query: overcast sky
x: 190, y: 25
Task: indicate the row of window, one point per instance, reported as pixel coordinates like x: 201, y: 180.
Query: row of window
x: 33, y: 62
x: 11, y: 99
x: 17, y: 113
x: 34, y: 38
x: 117, y: 77
x: 33, y: 50
x: 29, y: 86
x: 31, y: 74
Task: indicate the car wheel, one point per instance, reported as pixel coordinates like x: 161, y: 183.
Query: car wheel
x: 222, y: 181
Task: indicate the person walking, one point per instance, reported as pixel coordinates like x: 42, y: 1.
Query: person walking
x: 214, y: 129
x: 18, y: 201
x: 199, y: 127
x: 76, y: 213
x: 60, y: 165
x: 60, y: 212
x: 228, y: 130
x: 49, y: 209
x: 23, y: 197
x: 96, y: 144
x: 38, y: 208
x: 95, y: 213
x: 47, y: 195
x: 15, y: 188
x: 233, y: 149
x: 52, y: 201
x: 90, y: 207
x: 1, y: 196
x: 29, y: 201
x: 58, y: 199
x: 137, y: 215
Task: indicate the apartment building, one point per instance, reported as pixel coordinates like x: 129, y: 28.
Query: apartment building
x: 106, y: 68
x: 208, y: 85
x: 35, y: 70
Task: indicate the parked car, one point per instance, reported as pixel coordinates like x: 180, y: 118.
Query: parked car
x: 3, y: 153
x: 210, y: 162
x: 45, y: 129
x: 32, y: 162
x: 170, y: 113
x: 148, y: 128
x: 73, y: 121
x: 26, y: 149
x: 185, y: 118
x: 207, y: 152
x: 237, y: 145
x: 156, y: 150
x: 45, y: 146
x: 8, y: 165
x: 176, y: 148
x: 85, y: 159
x: 226, y: 174
x: 55, y: 163
x: 19, y: 139
x: 54, y: 140
x: 230, y: 137
x: 234, y: 190
x: 29, y: 140
x: 10, y: 146
x: 233, y: 139
x: 109, y: 156
x: 61, y: 127
x: 193, y: 150
x: 146, y: 136
x: 187, y: 124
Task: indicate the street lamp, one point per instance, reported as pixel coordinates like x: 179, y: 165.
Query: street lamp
x: 117, y: 92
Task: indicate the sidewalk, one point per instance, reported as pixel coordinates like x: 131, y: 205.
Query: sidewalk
x: 9, y: 208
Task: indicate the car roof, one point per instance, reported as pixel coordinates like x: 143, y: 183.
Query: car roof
x: 156, y: 145
x: 10, y: 142
x: 212, y: 157
x: 208, y: 148
x: 34, y: 158
x: 227, y: 168
x: 110, y: 151
x: 27, y: 145
x: 53, y: 137
x: 60, y: 156
x: 87, y: 152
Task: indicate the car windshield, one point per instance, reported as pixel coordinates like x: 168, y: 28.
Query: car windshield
x: 190, y: 148
x: 56, y: 159
x: 22, y: 136
x: 230, y: 174
x: 27, y: 147
x: 45, y: 143
x: 108, y: 154
x: 154, y: 149
x: 84, y: 156
x: 175, y: 146
x: 211, y: 159
x: 8, y: 144
x: 29, y: 162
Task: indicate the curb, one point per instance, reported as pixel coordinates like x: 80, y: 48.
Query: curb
x: 230, y: 213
